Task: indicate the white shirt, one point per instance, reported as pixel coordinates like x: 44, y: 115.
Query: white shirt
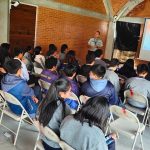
x: 40, y: 59
x: 25, y: 74
x: 95, y: 42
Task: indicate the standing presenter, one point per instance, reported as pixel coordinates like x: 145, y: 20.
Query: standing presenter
x: 95, y: 42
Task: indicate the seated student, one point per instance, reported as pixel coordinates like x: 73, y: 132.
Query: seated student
x: 143, y: 71
x: 85, y: 129
x: 97, y: 86
x: 114, y: 64
x: 28, y: 58
x: 70, y: 59
x: 18, y: 54
x: 98, y: 58
x: 140, y: 85
x: 4, y: 54
x: 70, y: 73
x: 128, y: 69
x: 50, y: 73
x: 15, y: 85
x: 113, y: 78
x: 85, y: 69
x: 52, y: 51
x: 38, y: 57
x: 64, y: 48
x: 53, y: 110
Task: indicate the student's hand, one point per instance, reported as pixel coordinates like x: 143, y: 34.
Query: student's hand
x: 35, y: 99
x: 2, y: 70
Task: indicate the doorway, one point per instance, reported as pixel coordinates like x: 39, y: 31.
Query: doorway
x: 22, y: 26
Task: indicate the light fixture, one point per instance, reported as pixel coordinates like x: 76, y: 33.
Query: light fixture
x: 15, y: 3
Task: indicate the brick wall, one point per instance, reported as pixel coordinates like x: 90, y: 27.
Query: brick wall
x: 60, y: 27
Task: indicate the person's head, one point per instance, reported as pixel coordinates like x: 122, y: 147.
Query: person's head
x: 97, y: 34
x: 142, y: 70
x: 95, y: 112
x: 58, y: 91
x: 90, y: 58
x: 28, y: 49
x: 114, y: 64
x: 18, y: 52
x: 64, y: 47
x: 70, y: 70
x: 99, y: 53
x: 52, y: 49
x: 129, y: 64
x: 70, y: 57
x: 4, y: 52
x: 84, y: 70
x: 97, y: 72
x: 37, y: 50
x: 13, y: 66
x: 51, y: 63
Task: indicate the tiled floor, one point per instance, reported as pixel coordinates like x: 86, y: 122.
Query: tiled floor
x: 28, y: 134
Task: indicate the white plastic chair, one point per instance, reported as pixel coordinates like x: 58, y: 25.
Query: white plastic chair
x: 137, y: 98
x: 74, y: 97
x: 37, y: 68
x: 43, y: 84
x: 51, y: 135
x: 5, y: 110
x: 83, y: 99
x: 126, y: 123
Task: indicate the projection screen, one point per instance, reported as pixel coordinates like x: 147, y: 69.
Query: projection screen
x: 145, y: 46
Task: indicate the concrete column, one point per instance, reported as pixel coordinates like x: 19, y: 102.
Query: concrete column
x: 110, y: 40
x: 4, y: 21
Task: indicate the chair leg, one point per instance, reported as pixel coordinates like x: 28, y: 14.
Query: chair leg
x: 36, y: 141
x: 141, y: 141
x: 18, y: 128
x: 134, y: 141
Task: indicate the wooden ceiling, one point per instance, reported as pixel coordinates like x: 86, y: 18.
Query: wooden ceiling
x: 141, y: 10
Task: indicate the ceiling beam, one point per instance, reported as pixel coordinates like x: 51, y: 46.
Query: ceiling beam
x: 108, y: 7
x: 67, y: 8
x: 133, y: 19
x: 127, y: 8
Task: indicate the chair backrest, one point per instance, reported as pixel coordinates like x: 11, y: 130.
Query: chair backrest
x: 65, y: 146
x: 44, y: 85
x: 81, y: 78
x: 83, y: 98
x: 11, y: 99
x: 74, y: 97
x: 135, y: 96
x: 123, y: 113
x: 50, y: 134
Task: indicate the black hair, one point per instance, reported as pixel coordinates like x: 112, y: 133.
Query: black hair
x: 52, y: 49
x: 98, y: 52
x: 129, y: 64
x: 142, y: 68
x: 17, y: 51
x: 90, y: 58
x: 4, y: 52
x: 28, y: 48
x: 85, y: 70
x: 12, y: 66
x: 98, y: 70
x: 50, y: 62
x: 114, y: 62
x: 95, y: 112
x: 98, y: 32
x: 50, y: 102
x: 71, y: 57
x: 69, y: 70
x: 37, y: 50
x: 63, y: 48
